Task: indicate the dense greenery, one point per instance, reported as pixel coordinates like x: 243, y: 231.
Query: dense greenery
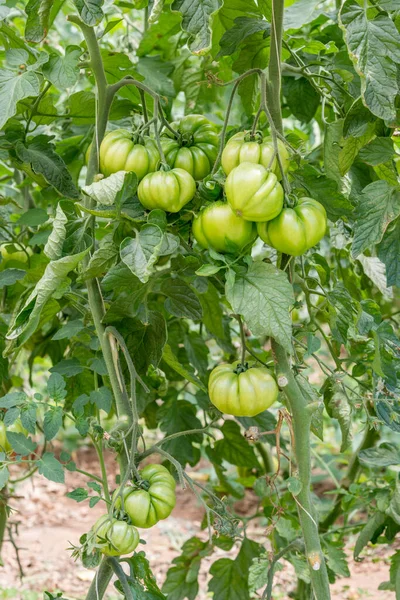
x: 104, y: 283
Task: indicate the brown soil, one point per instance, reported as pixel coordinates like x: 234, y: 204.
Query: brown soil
x: 49, y: 523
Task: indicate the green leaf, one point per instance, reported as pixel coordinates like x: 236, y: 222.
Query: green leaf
x: 197, y: 352
x: 234, y: 448
x: 301, y: 97
x: 263, y: 296
x: 105, y: 191
x: 324, y: 190
x: 55, y: 241
x: 56, y: 387
x: 145, y: 339
x: 338, y: 407
x: 28, y: 318
x: 101, y: 260
x: 68, y: 331
x: 243, y: 28
x: 12, y: 399
x: 21, y: 444
x: 394, y: 508
x: 51, y: 468
x: 182, y: 578
x: 37, y: 23
x: 294, y: 485
x: 180, y: 415
x: 13, y: 88
x: 230, y: 577
x: 377, y: 152
x: 341, y: 312
x: 33, y: 217
x: 43, y: 160
x: 332, y: 139
x: 52, y: 421
x: 4, y: 476
x: 102, y: 398
x: 258, y: 573
x: 142, y: 252
x: 336, y: 559
x: 79, y: 494
x: 172, y: 361
x: 196, y: 21
x: 208, y: 270
x: 11, y: 276
x: 389, y: 252
x: 212, y: 311
x: 63, y: 71
x: 375, y: 270
x: 378, y: 206
x: 374, y: 47
x: 300, y: 13
x: 90, y: 11
x: 68, y: 367
x: 385, y: 455
x: 156, y: 73
x: 181, y: 299
x: 28, y: 418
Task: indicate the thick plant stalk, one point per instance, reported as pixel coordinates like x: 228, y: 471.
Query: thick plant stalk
x: 300, y: 410
x: 101, y: 580
x: 302, y: 413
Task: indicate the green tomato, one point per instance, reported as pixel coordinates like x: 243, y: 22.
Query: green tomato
x: 121, y: 150
x: 210, y: 190
x: 240, y: 391
x: 115, y: 537
x: 153, y: 500
x: 260, y: 151
x: 253, y: 192
x: 218, y: 227
x: 297, y: 229
x: 10, y: 256
x: 196, y: 147
x: 168, y: 190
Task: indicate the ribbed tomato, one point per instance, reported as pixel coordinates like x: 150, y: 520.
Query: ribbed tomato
x: 253, y: 192
x: 168, y: 190
x: 196, y: 147
x: 240, y: 148
x: 121, y: 150
x: 240, y: 391
x: 115, y: 537
x: 297, y: 229
x: 219, y: 228
x: 150, y: 501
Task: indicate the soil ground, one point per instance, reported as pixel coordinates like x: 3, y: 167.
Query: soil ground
x: 49, y: 523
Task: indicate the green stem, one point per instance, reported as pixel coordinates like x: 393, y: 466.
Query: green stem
x: 267, y: 595
x: 120, y: 573
x: 3, y: 523
x: 266, y: 458
x: 99, y: 450
x: 274, y: 69
x: 302, y: 415
x: 101, y: 580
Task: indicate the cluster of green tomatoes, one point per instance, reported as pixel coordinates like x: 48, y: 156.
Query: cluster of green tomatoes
x: 140, y: 504
x: 254, y: 195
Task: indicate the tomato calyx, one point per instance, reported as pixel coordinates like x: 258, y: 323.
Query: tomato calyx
x: 164, y: 167
x: 185, y: 139
x: 241, y: 368
x: 290, y: 200
x: 137, y: 138
x: 257, y: 136
x: 144, y: 484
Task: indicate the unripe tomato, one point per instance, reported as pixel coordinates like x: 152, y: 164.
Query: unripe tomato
x: 253, y: 192
x: 152, y: 500
x: 218, y: 227
x: 115, y: 537
x: 168, y: 190
x: 296, y: 229
x: 196, y: 147
x: 239, y: 149
x: 8, y: 256
x: 240, y: 391
x: 121, y: 150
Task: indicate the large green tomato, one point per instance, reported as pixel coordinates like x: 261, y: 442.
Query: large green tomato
x: 152, y: 500
x: 296, y: 229
x: 253, y: 192
x: 241, y: 391
x: 261, y: 151
x: 121, y: 150
x: 10, y: 256
x: 219, y: 228
x: 115, y: 537
x: 168, y: 190
x: 196, y: 147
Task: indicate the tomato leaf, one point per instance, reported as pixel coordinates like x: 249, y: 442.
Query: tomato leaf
x: 51, y: 468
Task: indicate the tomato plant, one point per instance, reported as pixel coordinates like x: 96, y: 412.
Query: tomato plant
x: 200, y: 243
